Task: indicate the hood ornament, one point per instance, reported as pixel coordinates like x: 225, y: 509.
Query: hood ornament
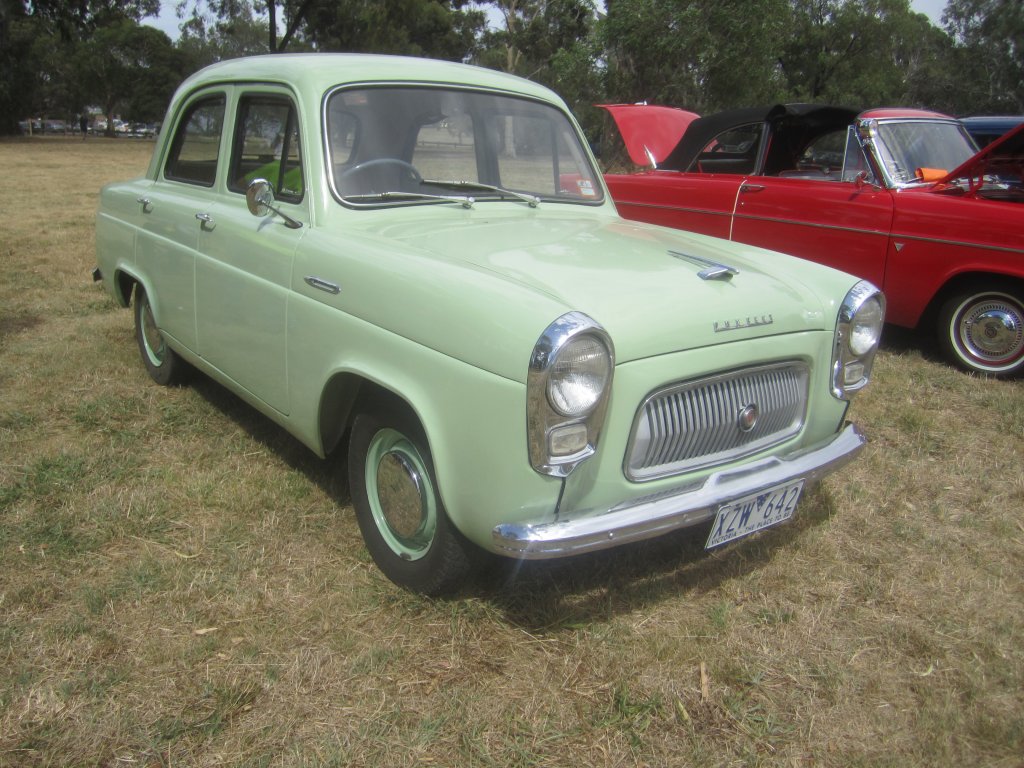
x: 713, y: 270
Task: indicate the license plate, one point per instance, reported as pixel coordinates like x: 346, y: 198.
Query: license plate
x: 753, y: 513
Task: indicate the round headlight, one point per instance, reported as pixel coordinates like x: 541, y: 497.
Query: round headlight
x: 866, y: 327
x: 579, y: 376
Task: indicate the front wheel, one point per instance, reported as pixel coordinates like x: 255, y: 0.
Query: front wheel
x: 398, y: 507
x: 982, y: 330
x: 162, y: 363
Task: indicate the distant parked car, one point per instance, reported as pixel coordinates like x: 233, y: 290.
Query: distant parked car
x: 419, y: 260
x: 896, y: 196
x: 986, y: 129
x: 54, y: 126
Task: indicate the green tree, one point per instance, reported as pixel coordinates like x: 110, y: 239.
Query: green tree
x: 37, y: 44
x: 441, y: 29
x: 533, y: 32
x: 703, y: 55
x: 854, y: 51
x: 129, y: 68
x: 207, y: 39
x: 229, y: 28
x: 989, y: 35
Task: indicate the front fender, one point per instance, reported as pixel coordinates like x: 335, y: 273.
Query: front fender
x: 474, y: 420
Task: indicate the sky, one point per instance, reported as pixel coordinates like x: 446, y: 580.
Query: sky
x: 168, y: 22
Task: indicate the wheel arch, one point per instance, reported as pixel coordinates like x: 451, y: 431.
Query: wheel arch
x: 124, y: 287
x: 346, y: 394
x: 963, y: 281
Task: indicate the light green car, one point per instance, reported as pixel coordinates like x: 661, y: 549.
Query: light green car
x: 418, y: 262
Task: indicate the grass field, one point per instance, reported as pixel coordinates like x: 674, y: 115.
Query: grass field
x: 181, y: 583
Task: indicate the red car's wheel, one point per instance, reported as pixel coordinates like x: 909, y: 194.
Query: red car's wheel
x: 982, y: 330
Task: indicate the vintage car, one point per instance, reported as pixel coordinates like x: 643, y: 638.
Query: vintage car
x: 417, y: 262
x: 896, y: 196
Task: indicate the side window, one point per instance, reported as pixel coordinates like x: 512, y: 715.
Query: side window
x: 194, y: 150
x: 732, y: 151
x: 821, y: 160
x: 267, y: 147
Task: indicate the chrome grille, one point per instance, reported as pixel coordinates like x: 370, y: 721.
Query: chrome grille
x: 697, y: 424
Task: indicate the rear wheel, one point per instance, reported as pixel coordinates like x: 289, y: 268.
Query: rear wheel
x: 982, y: 330
x: 162, y: 363
x: 398, y: 507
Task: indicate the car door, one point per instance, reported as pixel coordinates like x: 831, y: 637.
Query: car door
x: 243, y: 272
x: 169, y: 230
x: 832, y: 215
x: 697, y: 202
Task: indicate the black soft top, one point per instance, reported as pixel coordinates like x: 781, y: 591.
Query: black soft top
x: 791, y: 126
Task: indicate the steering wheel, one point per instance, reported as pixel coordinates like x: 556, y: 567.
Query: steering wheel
x: 414, y: 175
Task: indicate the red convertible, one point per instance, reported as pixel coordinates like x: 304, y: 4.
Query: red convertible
x: 900, y: 197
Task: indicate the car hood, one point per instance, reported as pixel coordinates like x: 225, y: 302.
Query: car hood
x: 649, y: 132
x: 641, y: 283
x: 1003, y: 157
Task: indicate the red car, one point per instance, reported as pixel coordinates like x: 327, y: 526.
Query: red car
x: 900, y: 197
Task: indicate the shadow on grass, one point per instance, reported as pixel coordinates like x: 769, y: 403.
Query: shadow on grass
x: 908, y: 341
x: 544, y: 596
x: 329, y: 474
x: 553, y: 595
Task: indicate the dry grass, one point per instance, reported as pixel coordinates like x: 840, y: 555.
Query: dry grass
x: 183, y: 584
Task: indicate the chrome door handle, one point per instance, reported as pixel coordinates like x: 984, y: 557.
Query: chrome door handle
x: 146, y: 203
x: 751, y: 187
x: 206, y: 222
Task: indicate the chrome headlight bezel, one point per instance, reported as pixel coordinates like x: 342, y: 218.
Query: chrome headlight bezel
x: 560, y: 433
x: 857, y: 337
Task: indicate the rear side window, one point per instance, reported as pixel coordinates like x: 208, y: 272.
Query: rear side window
x: 267, y: 146
x: 196, y: 145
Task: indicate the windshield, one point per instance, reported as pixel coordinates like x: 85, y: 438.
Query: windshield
x: 412, y: 145
x: 906, y: 147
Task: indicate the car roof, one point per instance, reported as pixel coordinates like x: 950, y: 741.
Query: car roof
x: 893, y: 113
x: 809, y: 120
x: 317, y: 72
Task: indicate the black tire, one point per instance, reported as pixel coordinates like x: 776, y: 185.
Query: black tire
x: 981, y: 330
x: 162, y: 363
x: 399, y: 511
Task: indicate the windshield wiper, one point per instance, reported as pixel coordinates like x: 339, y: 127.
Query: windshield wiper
x: 465, y: 202
x: 531, y: 200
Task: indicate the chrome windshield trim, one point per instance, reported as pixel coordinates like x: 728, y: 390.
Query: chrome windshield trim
x: 645, y: 518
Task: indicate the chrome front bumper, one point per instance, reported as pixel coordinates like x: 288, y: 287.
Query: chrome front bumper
x: 645, y: 519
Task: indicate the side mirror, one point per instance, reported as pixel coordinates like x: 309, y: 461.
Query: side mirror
x: 862, y: 180
x: 259, y: 196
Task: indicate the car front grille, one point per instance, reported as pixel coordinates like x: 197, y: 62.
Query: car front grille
x: 695, y: 424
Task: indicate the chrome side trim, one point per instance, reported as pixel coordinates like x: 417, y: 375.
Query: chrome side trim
x: 593, y: 530
x: 814, y: 225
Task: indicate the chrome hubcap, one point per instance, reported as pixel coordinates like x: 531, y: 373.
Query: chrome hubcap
x: 400, y: 492
x: 401, y: 495
x: 992, y: 331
